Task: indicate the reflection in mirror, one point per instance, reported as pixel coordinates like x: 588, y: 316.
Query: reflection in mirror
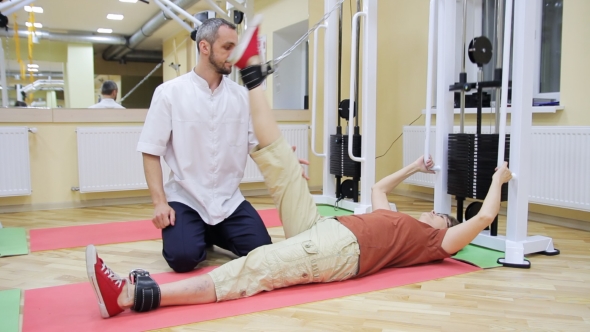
x: 290, y: 83
x: 41, y: 86
x: 72, y: 35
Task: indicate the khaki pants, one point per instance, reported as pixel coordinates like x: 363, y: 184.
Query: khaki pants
x: 316, y: 249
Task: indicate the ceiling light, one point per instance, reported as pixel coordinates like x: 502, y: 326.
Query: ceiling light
x: 32, y: 65
x: 115, y: 17
x: 103, y: 30
x: 130, y: 1
x: 34, y: 9
x: 37, y: 25
x: 33, y: 69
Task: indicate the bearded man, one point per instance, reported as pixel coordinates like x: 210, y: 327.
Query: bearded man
x: 200, y: 124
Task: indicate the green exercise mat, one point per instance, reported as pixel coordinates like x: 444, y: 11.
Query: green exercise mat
x: 330, y: 211
x: 13, y: 241
x: 9, y: 310
x: 479, y: 256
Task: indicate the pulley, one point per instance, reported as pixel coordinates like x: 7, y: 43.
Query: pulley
x: 349, y: 189
x: 480, y: 51
x: 344, y: 109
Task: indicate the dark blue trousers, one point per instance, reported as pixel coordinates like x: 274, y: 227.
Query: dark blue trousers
x: 185, y: 243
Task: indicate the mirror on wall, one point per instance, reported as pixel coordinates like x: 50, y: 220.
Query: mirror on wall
x: 290, y: 81
x: 128, y: 48
x: 41, y: 86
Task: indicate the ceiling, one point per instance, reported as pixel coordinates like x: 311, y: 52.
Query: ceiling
x: 86, y: 16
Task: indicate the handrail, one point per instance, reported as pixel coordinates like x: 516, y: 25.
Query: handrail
x: 353, y: 82
x: 315, y: 92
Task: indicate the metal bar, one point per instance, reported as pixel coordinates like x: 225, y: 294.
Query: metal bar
x: 3, y: 76
x: 505, y: 76
x: 340, y: 63
x: 315, y: 92
x: 143, y: 80
x: 357, y: 71
x: 237, y: 5
x: 16, y: 8
x: 429, y: 77
x: 464, y: 38
x: 181, y: 11
x: 353, y: 64
x: 5, y: 5
x: 499, y: 39
x: 173, y: 15
x: 218, y: 10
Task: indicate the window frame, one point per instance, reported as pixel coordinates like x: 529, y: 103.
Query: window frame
x: 477, y: 14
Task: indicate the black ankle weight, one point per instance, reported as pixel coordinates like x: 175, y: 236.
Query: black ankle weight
x: 252, y: 76
x: 147, y: 292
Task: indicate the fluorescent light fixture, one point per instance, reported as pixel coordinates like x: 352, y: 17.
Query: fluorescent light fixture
x: 33, y: 69
x: 34, y: 9
x: 117, y: 17
x: 103, y: 30
x: 37, y: 25
x: 32, y: 65
x: 130, y: 1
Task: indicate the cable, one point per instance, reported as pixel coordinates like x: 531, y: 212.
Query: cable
x: 306, y: 35
x: 400, y: 135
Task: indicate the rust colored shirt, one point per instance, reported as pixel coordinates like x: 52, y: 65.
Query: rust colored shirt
x: 392, y: 239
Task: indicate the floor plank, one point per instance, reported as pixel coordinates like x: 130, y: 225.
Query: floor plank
x: 554, y: 295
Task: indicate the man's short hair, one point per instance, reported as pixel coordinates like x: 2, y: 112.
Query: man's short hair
x: 108, y: 87
x: 209, y: 30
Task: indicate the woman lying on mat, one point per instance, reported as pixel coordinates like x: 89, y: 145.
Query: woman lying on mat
x: 316, y: 249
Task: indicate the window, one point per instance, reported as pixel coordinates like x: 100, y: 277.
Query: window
x: 547, y: 82
x: 481, y: 20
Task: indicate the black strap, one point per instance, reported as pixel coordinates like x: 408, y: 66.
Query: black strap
x: 147, y: 292
x: 253, y: 76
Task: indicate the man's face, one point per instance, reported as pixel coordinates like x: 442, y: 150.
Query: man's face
x: 227, y: 39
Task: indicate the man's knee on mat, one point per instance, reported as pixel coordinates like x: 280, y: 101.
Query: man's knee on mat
x: 182, y: 259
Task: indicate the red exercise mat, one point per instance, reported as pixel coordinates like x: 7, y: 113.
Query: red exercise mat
x: 74, y: 308
x: 112, y: 232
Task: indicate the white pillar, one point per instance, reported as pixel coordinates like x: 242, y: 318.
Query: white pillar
x: 368, y: 109
x: 444, y: 99
x: 79, y: 76
x: 521, y: 119
x: 330, y: 93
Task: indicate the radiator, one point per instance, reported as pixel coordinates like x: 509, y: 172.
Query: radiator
x: 15, y: 165
x: 108, y: 160
x: 296, y: 135
x: 559, y: 160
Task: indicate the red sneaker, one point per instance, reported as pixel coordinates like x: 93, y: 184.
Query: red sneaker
x: 248, y: 45
x: 107, y: 284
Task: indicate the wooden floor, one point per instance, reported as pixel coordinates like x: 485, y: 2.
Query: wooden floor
x: 554, y: 295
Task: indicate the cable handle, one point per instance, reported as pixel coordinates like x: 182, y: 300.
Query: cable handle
x: 353, y: 47
x: 315, y: 92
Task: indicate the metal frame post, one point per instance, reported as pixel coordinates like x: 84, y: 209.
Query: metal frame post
x: 444, y: 99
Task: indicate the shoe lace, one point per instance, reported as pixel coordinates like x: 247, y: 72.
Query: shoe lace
x: 112, y: 275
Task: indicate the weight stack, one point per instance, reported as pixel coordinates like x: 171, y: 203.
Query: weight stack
x: 340, y: 162
x: 472, y: 161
